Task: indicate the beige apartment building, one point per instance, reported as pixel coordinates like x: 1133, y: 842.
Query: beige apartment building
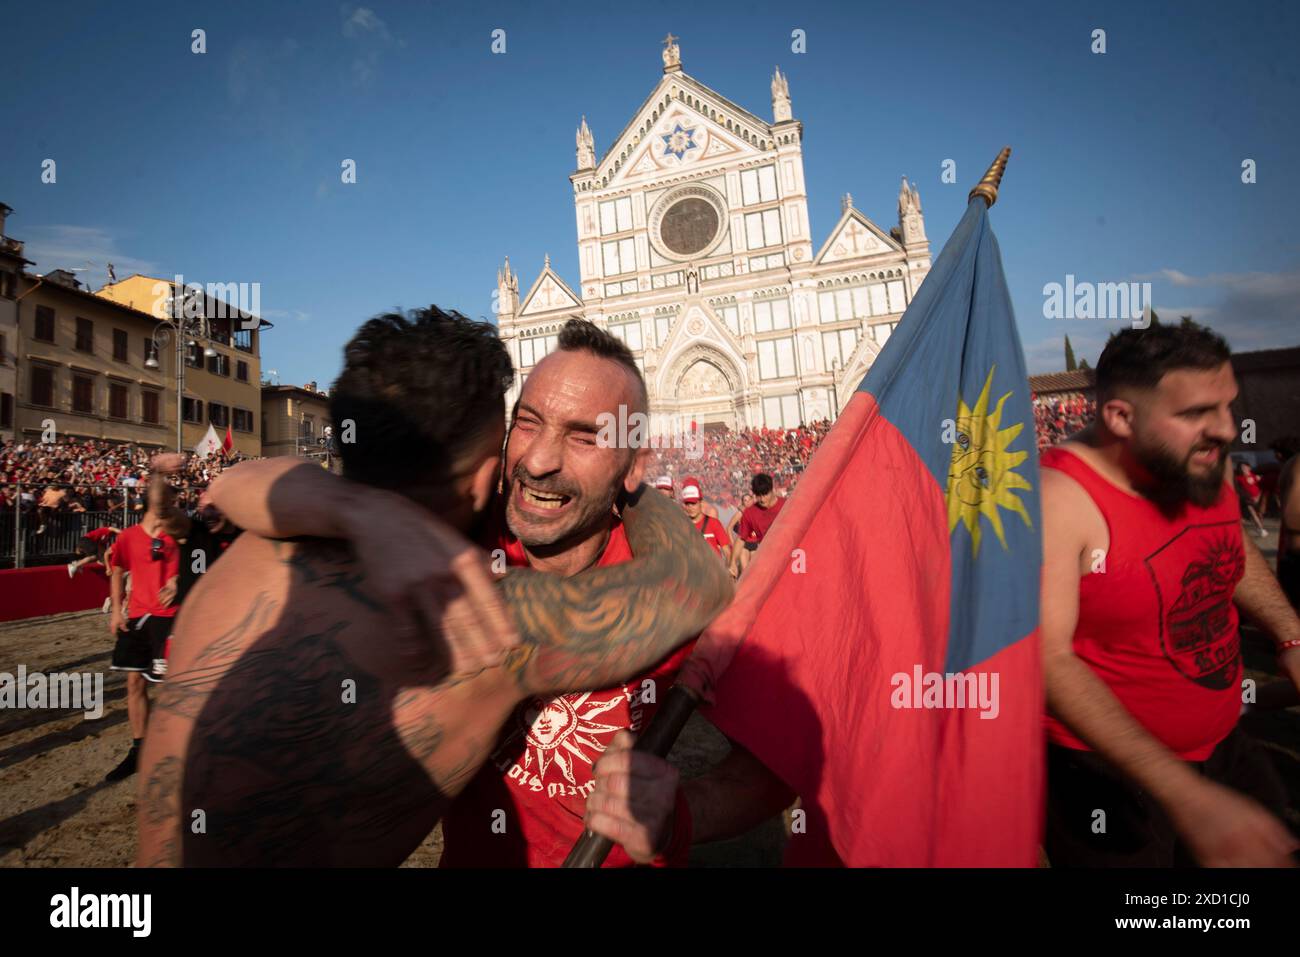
x: 294, y: 419
x: 223, y: 370
x: 104, y: 364
x: 12, y: 264
x: 81, y: 367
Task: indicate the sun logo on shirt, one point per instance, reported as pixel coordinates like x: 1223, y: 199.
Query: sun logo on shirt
x: 981, y: 476
x: 559, y: 731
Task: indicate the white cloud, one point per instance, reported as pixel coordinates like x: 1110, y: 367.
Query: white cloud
x: 276, y: 314
x: 85, y: 249
x: 1255, y: 310
x: 363, y: 22
x: 371, y: 37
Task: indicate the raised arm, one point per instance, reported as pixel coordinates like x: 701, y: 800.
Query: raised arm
x: 606, y: 624
x: 286, y: 498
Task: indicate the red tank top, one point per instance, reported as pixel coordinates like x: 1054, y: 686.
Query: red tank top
x: 1158, y: 624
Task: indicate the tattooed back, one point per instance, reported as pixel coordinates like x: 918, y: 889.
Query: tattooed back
x: 292, y: 730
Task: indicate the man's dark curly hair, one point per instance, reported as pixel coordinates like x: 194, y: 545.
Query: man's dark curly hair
x: 419, y: 390
x: 1139, y: 358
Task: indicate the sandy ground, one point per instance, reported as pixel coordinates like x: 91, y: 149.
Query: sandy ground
x: 57, y: 811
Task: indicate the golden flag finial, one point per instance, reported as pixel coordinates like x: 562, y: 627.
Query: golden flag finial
x: 988, y: 186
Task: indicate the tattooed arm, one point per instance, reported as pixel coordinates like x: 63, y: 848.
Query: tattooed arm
x: 586, y: 631
x: 606, y: 624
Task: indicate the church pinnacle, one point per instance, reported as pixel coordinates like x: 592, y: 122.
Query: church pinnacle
x: 910, y: 221
x: 586, y: 146
x: 672, y: 54
x: 780, y: 97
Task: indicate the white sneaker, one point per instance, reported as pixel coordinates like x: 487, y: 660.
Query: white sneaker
x: 108, y: 604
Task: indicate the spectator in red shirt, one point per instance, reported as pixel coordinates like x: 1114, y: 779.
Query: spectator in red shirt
x: 1249, y: 494
x: 141, y: 624
x: 758, y: 518
x: 95, y: 546
x: 712, y: 529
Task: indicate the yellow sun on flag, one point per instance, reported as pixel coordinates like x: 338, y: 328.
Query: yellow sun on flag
x: 981, y: 476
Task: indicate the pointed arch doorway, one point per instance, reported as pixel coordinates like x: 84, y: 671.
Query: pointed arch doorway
x: 704, y: 387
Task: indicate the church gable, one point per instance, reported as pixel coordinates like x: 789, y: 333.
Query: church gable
x: 548, y: 293
x: 674, y: 131
x: 698, y: 327
x: 855, y: 236
x: 859, y: 361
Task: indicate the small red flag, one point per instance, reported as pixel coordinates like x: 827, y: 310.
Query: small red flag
x: 228, y: 442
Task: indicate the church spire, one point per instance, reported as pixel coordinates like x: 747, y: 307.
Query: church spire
x: 909, y: 200
x: 780, y: 97
x: 507, y: 297
x: 846, y: 203
x: 586, y: 147
x: 910, y: 221
x: 672, y: 54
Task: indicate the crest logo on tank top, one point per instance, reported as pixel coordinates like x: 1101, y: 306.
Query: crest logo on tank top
x: 1195, y: 574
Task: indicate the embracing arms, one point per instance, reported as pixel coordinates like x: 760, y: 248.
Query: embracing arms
x: 588, y: 631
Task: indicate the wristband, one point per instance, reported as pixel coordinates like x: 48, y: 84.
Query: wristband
x: 1288, y: 645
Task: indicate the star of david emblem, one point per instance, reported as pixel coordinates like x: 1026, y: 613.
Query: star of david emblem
x: 679, y: 141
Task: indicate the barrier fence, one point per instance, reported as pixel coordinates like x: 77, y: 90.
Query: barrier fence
x: 35, y: 535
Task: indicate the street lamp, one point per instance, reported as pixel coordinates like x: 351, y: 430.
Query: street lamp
x: 184, y: 331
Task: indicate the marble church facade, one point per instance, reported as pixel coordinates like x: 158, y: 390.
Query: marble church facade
x: 695, y: 249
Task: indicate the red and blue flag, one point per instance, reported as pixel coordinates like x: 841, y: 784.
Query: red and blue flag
x: 881, y: 655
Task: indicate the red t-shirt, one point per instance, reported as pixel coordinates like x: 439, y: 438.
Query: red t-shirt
x: 713, y: 532
x: 98, y: 535
x: 1158, y: 625
x: 756, y: 520
x: 133, y: 552
x: 541, y: 772
x: 1250, y: 485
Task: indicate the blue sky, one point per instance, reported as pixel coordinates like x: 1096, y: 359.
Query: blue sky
x: 225, y: 167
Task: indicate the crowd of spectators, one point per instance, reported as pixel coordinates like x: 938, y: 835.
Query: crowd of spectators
x: 90, y: 475
x: 1056, y: 417
x: 728, y: 460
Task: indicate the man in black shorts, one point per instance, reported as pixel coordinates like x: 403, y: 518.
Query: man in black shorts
x: 200, y: 541
x: 142, y: 623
